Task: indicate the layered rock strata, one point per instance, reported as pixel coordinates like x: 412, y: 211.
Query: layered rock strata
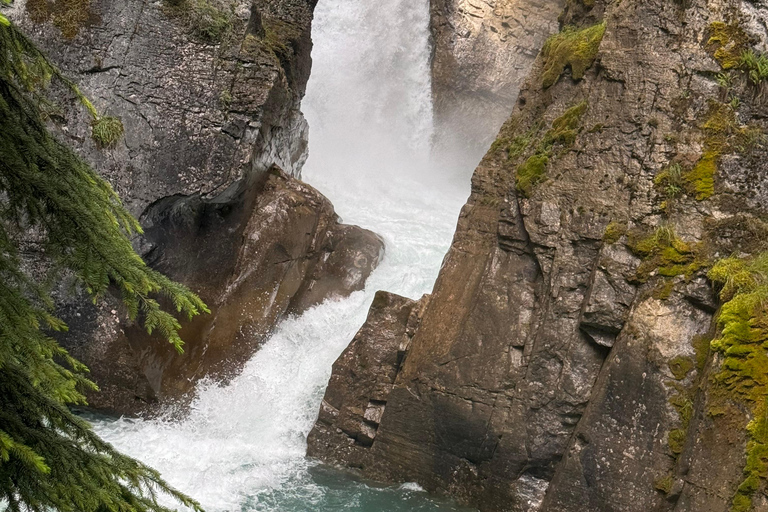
x: 356, y: 396
x: 579, y: 351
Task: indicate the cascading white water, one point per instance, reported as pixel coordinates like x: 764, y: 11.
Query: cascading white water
x: 369, y: 108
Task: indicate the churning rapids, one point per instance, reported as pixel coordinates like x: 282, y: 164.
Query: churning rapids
x: 369, y: 107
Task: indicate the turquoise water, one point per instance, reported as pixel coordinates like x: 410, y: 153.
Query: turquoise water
x: 328, y: 489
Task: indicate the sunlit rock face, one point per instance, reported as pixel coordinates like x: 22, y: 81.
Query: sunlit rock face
x: 482, y: 52
x: 214, y: 141
x: 564, y: 362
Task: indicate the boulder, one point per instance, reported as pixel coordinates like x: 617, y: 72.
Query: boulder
x: 269, y: 248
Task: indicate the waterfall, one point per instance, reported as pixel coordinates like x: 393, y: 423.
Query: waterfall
x: 369, y: 107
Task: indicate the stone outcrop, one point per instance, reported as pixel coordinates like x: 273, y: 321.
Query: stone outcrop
x: 275, y: 248
x: 363, y: 376
x: 482, y: 51
x: 564, y: 360
x: 208, y: 93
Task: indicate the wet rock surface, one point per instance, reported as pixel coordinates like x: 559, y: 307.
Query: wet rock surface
x: 564, y: 362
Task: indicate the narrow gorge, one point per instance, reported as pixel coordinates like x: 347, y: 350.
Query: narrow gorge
x: 590, y: 335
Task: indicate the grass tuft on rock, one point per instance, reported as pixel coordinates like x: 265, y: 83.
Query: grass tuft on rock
x: 209, y: 20
x: 572, y: 47
x: 69, y: 16
x: 755, y: 64
x: 106, y: 131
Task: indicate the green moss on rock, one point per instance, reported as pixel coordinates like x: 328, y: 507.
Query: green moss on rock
x: 700, y: 181
x: 531, y: 172
x: 663, y: 483
x: 572, y: 47
x: 566, y: 127
x: 676, y: 441
x: 743, y: 376
x: 562, y: 134
x: 613, y: 232
x: 680, y: 367
x: 727, y: 42
x: 666, y: 254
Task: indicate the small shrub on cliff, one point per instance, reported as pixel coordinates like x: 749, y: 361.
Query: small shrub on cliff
x: 50, y: 459
x: 572, y: 47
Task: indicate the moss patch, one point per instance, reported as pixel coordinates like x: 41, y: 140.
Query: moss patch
x: 106, y: 131
x: 700, y: 180
x: 663, y: 484
x: 613, y: 232
x: 566, y: 127
x: 743, y: 341
x: 680, y: 367
x: 727, y: 43
x: 562, y: 134
x: 719, y: 128
x: 531, y: 172
x: 572, y: 47
x: 666, y: 254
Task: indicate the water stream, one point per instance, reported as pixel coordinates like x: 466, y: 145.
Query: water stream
x: 369, y: 108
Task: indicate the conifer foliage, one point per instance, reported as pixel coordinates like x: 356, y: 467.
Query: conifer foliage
x: 49, y: 458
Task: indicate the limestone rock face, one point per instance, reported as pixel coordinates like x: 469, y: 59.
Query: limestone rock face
x: 210, y: 117
x: 483, y: 49
x: 564, y: 361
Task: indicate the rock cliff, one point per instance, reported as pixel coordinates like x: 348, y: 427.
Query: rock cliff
x: 595, y: 339
x: 482, y: 51
x: 205, y: 95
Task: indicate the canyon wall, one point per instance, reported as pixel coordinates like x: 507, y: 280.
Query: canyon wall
x: 595, y: 338
x: 482, y: 51
x: 208, y: 94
